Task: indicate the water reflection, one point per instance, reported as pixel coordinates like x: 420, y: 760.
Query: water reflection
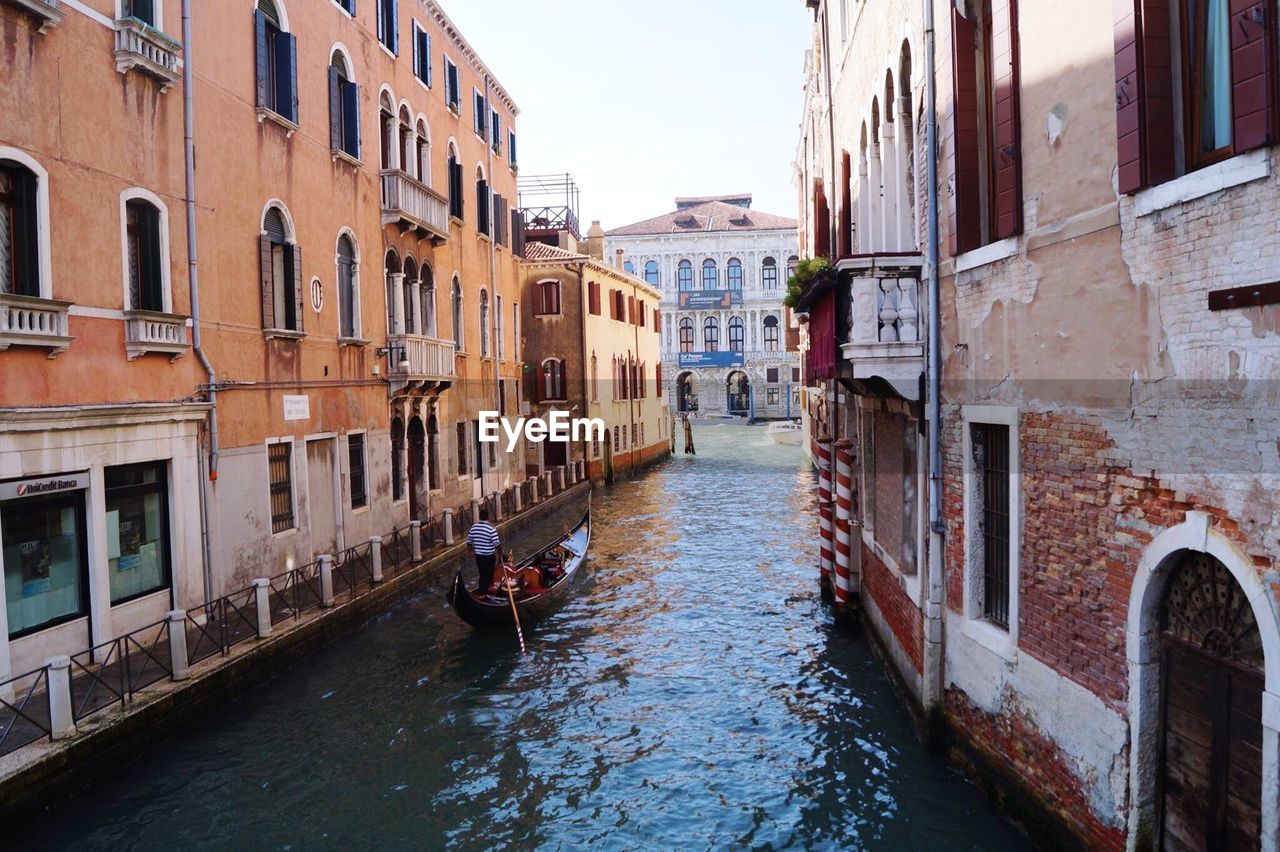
x: 691, y: 694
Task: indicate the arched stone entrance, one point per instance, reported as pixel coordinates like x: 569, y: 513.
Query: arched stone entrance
x: 417, y: 464
x: 686, y: 393
x: 1204, y: 678
x: 738, y: 388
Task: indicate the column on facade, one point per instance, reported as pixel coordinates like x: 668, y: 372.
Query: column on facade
x: 397, y: 302
x: 904, y: 147
x: 864, y: 204
x: 414, y: 308
x: 889, y: 208
x: 875, y: 177
x: 99, y: 589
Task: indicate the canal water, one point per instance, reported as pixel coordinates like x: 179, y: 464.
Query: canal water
x: 694, y: 695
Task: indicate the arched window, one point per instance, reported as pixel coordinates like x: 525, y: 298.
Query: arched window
x: 548, y: 299
x: 423, y: 141
x: 737, y: 335
x: 710, y: 335
x: 792, y: 263
x: 629, y: 268
x: 686, y: 335
x: 406, y: 289
x: 456, y: 202
x: 387, y: 130
x: 348, y: 292
x: 393, y: 269
x: 771, y: 334
x: 428, y: 302
x: 277, y: 61
x: 458, y: 339
x: 482, y: 203
x: 734, y: 274
x: 19, y: 230
x: 344, y: 108
x: 769, y: 274
x: 684, y: 276
x: 651, y: 275
x: 484, y: 323
x: 595, y: 378
x: 147, y: 257
x: 551, y: 388
x: 280, y: 262
x: 710, y: 275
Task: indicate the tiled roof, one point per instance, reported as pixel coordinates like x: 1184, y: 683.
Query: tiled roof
x: 708, y: 217
x: 541, y: 251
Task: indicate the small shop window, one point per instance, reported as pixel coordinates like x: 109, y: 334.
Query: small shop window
x: 355, y: 453
x: 137, y: 530
x: 45, y: 561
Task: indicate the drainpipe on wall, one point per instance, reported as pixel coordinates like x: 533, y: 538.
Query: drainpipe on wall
x: 493, y: 266
x: 834, y: 420
x: 584, y: 308
x: 193, y: 283
x: 933, y: 650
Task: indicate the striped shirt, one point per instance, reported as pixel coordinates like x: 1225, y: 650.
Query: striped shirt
x: 483, y: 539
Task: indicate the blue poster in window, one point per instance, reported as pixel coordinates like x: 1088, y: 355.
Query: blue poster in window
x: 711, y: 359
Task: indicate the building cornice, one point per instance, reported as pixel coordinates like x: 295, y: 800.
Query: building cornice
x: 99, y: 416
x: 473, y: 58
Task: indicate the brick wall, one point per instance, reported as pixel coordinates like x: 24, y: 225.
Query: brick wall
x: 904, y: 618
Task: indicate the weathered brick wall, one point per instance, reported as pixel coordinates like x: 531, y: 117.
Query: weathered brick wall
x: 1022, y: 756
x: 904, y: 617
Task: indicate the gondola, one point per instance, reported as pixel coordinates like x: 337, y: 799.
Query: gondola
x: 558, y: 562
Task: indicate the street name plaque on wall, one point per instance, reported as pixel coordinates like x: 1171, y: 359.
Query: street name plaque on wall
x: 297, y: 407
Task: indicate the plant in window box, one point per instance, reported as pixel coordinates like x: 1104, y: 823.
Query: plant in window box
x: 810, y: 271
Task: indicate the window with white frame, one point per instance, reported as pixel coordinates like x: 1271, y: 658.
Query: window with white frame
x: 20, y: 233
x: 992, y: 518
x: 146, y: 254
x: 348, y: 289
x: 421, y: 54
x: 276, y: 52
x: 280, y: 262
x: 280, y: 485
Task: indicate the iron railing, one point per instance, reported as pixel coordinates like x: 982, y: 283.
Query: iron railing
x: 352, y: 570
x: 295, y: 592
x: 24, y: 720
x: 114, y: 672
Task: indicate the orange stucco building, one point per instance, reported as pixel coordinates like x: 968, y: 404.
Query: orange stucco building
x: 356, y: 289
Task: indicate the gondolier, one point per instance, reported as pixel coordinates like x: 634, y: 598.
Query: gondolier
x: 485, y: 544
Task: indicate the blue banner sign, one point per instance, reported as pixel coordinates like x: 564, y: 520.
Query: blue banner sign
x: 711, y: 359
x: 710, y: 300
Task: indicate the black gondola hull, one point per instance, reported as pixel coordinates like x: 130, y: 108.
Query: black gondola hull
x: 495, y: 614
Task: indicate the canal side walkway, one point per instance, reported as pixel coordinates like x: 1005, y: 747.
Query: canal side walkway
x: 261, y: 635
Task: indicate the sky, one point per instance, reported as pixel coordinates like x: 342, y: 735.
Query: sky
x: 643, y: 102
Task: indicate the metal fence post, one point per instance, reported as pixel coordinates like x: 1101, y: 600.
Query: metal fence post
x: 178, y: 644
x: 375, y: 558
x: 415, y: 541
x: 262, y: 603
x: 446, y: 522
x: 62, y: 723
x: 326, y: 581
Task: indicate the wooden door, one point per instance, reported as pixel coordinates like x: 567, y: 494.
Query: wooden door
x: 1211, y: 743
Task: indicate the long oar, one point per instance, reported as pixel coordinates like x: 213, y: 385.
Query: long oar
x: 511, y: 596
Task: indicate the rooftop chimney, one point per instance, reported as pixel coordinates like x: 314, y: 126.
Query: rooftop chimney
x: 595, y: 241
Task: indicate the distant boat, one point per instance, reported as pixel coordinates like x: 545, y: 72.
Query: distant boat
x: 786, y: 432
x: 557, y: 563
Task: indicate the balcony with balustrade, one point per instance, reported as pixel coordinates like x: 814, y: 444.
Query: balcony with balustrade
x: 150, y: 331
x: 30, y: 321
x: 886, y: 322
x: 141, y: 47
x: 46, y: 13
x: 414, y: 359
x: 412, y: 205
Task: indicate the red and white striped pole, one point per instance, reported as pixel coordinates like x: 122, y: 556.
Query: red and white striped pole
x: 844, y: 522
x: 822, y: 455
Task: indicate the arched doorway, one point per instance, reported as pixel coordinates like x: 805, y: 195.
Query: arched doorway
x: 686, y: 396
x: 417, y: 461
x: 739, y: 392
x: 397, y: 459
x: 1211, y: 736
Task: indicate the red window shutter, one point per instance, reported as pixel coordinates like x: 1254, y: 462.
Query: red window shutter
x: 965, y: 219
x: 1128, y: 96
x: 266, y: 276
x: 1252, y: 92
x: 1007, y: 156
x: 1144, y: 94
